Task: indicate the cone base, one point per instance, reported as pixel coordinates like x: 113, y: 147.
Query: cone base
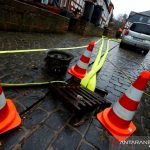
x: 76, y: 74
x: 120, y: 134
x: 12, y: 119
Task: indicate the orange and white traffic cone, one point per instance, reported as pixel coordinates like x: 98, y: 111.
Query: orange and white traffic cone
x: 118, y: 118
x: 9, y: 117
x: 80, y: 69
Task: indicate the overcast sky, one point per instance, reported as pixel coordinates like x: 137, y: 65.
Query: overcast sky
x: 125, y: 6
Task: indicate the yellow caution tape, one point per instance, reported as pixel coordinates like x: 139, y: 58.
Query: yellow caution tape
x: 43, y: 50
x: 99, y: 54
x: 84, y: 82
x: 116, y: 40
x: 22, y: 51
x: 30, y: 84
x: 92, y: 74
x: 92, y: 82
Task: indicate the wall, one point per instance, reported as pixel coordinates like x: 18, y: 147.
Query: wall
x: 18, y: 16
x: 105, y: 14
x: 85, y: 28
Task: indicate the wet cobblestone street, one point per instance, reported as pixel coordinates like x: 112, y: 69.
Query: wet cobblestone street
x: 47, y: 124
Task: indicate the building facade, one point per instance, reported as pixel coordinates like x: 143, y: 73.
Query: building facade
x: 73, y: 5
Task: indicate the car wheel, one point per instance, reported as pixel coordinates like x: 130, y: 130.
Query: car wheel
x: 122, y: 45
x: 144, y: 52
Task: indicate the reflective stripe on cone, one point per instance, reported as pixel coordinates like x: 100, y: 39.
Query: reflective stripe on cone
x: 80, y: 69
x: 2, y: 100
x: 134, y: 93
x: 122, y: 112
x: 82, y: 65
x: 87, y: 53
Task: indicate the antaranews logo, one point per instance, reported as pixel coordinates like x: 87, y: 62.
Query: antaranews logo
x: 138, y: 142
x: 134, y: 142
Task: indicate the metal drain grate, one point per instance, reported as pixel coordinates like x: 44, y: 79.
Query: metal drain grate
x: 78, y: 98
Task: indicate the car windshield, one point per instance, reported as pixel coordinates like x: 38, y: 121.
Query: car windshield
x: 140, y: 28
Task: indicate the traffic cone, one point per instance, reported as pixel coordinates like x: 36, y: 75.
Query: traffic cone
x: 9, y: 118
x: 118, y: 118
x: 80, y: 69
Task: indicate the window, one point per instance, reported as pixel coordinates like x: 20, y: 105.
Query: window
x: 141, y: 18
x: 140, y: 28
x: 148, y: 21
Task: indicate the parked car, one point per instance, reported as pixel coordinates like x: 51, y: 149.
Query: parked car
x: 137, y: 35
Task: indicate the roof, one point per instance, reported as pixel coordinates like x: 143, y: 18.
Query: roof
x: 132, y: 13
x: 147, y: 13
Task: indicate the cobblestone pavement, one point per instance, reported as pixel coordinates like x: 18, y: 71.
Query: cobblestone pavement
x: 47, y: 124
